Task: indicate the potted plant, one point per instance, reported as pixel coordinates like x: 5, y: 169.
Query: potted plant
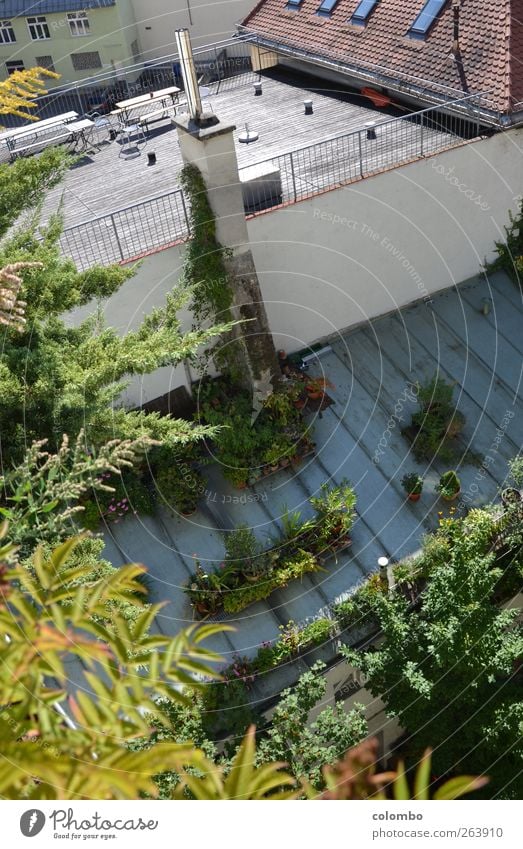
x: 242, y: 552
x: 412, y: 483
x: 335, y: 515
x: 449, y: 486
x: 511, y: 496
x: 315, y: 387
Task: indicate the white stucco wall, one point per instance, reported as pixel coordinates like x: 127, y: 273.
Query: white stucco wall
x: 355, y: 253
x: 358, y: 252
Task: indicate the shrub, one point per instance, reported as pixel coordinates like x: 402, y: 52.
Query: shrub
x: 436, y: 423
x: 449, y: 484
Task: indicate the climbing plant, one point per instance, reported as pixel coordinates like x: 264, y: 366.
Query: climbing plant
x: 204, y: 263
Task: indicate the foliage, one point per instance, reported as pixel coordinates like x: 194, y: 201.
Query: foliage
x: 449, y: 484
x: 304, y: 747
x: 510, y: 252
x: 128, y: 495
x: 516, y: 469
x: 449, y: 668
x: 412, y: 483
x: 292, y: 640
x: 204, y: 270
x: 56, y: 378
x: 11, y: 307
x: 49, y: 624
x: 244, y: 780
x: 85, y: 566
x: 20, y: 90
x: 437, y: 423
x: 247, y: 450
x: 176, y: 478
x: 236, y: 599
x: 252, y: 574
x: 355, y: 777
x: 25, y: 182
x: 40, y: 497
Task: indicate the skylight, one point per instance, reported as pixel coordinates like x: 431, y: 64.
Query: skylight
x: 426, y: 17
x: 326, y: 7
x: 294, y: 4
x: 362, y: 12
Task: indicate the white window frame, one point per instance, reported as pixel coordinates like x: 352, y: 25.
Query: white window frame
x: 11, y: 70
x: 38, y: 27
x: 79, y: 25
x: 6, y: 29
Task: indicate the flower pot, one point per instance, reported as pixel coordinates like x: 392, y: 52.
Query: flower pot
x: 315, y: 396
x: 284, y: 463
x: 252, y: 579
x: 300, y: 403
x: 451, y: 497
x: 511, y: 496
x: 241, y: 485
x: 201, y: 608
x: 414, y: 496
x: 187, y: 513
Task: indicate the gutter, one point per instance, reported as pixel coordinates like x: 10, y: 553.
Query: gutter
x: 420, y: 92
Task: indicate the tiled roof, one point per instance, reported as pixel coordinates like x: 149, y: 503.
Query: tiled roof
x: 491, y: 43
x: 19, y: 8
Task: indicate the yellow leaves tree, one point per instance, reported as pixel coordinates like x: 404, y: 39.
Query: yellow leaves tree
x: 18, y: 92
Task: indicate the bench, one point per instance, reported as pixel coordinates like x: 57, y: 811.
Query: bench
x: 19, y: 148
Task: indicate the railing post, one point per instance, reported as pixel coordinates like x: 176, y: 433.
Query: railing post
x: 293, y: 178
x: 360, y: 148
x: 186, y: 214
x: 81, y: 110
x: 421, y: 134
x: 117, y: 237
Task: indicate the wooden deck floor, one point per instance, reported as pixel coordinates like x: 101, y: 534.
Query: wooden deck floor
x: 102, y: 182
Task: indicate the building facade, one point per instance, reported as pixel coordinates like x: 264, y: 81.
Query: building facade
x: 208, y: 21
x: 75, y: 38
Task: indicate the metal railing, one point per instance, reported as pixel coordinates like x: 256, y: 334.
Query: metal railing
x: 129, y: 232
x: 376, y: 147
x: 291, y: 177
x: 216, y: 63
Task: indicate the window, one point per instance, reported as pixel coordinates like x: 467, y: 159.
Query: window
x: 14, y: 65
x: 426, y: 18
x: 7, y: 33
x: 45, y: 62
x: 294, y: 4
x: 78, y: 23
x: 326, y: 7
x: 38, y: 28
x: 86, y: 61
x: 362, y: 12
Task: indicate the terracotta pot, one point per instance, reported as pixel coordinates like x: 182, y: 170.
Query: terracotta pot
x: 274, y: 467
x: 300, y: 403
x: 284, y: 463
x: 201, y: 608
x: 414, y: 496
x: 241, y: 485
x: 315, y: 396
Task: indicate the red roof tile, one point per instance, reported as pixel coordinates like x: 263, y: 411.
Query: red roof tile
x: 491, y: 43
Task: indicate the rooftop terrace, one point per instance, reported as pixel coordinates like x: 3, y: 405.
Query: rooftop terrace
x: 371, y: 369
x: 313, y: 153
